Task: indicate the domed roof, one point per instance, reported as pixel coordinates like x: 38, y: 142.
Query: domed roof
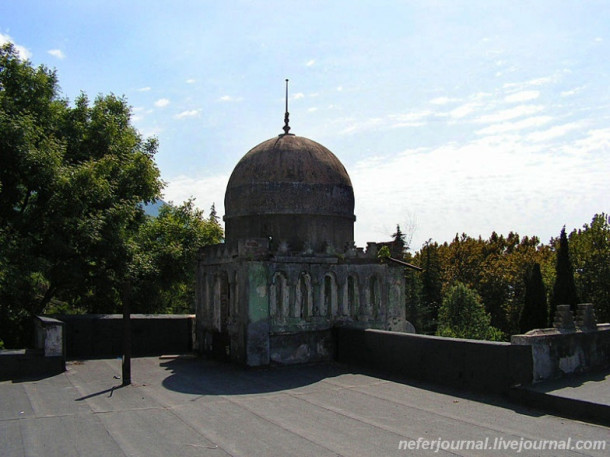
x: 289, y: 174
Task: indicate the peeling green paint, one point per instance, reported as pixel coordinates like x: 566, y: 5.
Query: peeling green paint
x: 258, y: 300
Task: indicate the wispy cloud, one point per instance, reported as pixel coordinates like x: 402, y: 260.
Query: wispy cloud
x: 532, y: 82
x: 57, y: 53
x: 524, y: 124
x: 205, y: 189
x: 144, y: 89
x: 22, y: 51
x: 191, y: 81
x: 464, y: 110
x: 443, y: 100
x: 518, y: 183
x: 230, y: 98
x: 553, y: 132
x: 310, y: 63
x: 298, y: 96
x: 162, y: 102
x: 411, y: 119
x: 522, y: 96
x: 507, y: 114
x: 569, y: 93
x: 188, y: 113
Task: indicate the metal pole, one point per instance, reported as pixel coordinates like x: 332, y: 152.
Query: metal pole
x: 126, y: 366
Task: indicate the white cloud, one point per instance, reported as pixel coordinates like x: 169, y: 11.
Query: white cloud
x: 310, y: 63
x: 312, y: 109
x: 443, y: 100
x: 569, y: 93
x: 504, y: 127
x: 411, y: 119
x: 339, y: 88
x: 354, y: 126
x: 205, y: 189
x: 298, y: 95
x: 532, y: 82
x: 554, y: 132
x: 522, y: 96
x: 507, y: 114
x: 57, y: 53
x: 144, y: 89
x: 229, y: 98
x: 501, y: 183
x: 22, y: 51
x: 162, y: 102
x: 188, y: 113
x: 464, y: 110
x: 190, y: 81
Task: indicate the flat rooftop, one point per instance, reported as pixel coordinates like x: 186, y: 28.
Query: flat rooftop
x: 196, y: 407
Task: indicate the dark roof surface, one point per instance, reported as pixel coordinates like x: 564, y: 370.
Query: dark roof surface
x: 202, y: 408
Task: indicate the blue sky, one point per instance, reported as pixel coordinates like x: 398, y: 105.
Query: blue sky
x: 450, y: 116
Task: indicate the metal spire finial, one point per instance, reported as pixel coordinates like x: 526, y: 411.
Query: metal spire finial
x: 286, y: 115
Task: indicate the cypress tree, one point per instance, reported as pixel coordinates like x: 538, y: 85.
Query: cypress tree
x: 564, y: 289
x: 535, y: 312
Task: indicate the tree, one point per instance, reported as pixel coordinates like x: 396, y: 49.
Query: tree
x: 564, y: 288
x: 71, y: 183
x: 398, y: 244
x: 431, y: 286
x: 535, y: 312
x: 463, y: 316
x: 590, y: 252
x: 213, y: 215
x: 168, y: 246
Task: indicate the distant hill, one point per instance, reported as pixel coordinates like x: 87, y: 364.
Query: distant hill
x: 152, y: 209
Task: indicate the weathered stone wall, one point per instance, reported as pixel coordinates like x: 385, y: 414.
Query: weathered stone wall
x: 257, y: 309
x: 556, y: 353
x: 465, y: 364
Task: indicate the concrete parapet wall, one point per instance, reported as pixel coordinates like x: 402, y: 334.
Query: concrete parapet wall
x: 101, y: 335
x: 558, y: 353
x: 28, y: 363
x: 466, y: 364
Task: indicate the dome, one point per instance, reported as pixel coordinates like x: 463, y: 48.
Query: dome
x: 291, y: 189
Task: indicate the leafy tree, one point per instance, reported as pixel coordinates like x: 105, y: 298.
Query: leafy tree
x: 590, y: 252
x: 463, y: 316
x: 564, y: 288
x: 168, y: 247
x: 535, y: 312
x: 71, y: 182
x: 430, y: 288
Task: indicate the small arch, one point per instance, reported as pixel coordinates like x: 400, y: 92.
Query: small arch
x: 221, y: 301
x: 303, y: 306
x: 234, y: 289
x: 329, y: 302
x: 352, y: 302
x: 374, y: 296
x: 278, y: 296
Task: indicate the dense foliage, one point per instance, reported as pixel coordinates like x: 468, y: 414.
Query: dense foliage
x: 462, y: 315
x: 564, y: 288
x: 535, y: 312
x: 499, y: 268
x: 73, y: 232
